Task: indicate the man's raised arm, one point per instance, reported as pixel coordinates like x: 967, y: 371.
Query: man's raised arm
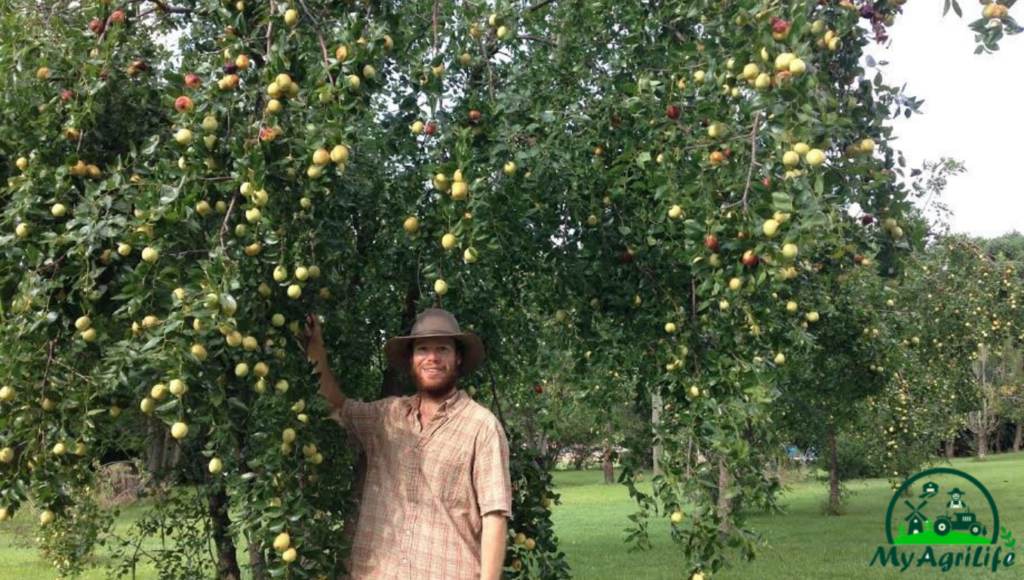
x: 311, y: 339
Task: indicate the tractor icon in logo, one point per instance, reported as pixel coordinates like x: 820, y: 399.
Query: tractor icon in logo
x: 959, y: 521
x: 964, y: 521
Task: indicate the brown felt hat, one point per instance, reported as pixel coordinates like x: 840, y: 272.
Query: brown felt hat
x: 435, y: 322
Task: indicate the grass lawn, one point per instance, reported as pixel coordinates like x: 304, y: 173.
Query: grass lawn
x: 802, y: 543
x: 590, y: 522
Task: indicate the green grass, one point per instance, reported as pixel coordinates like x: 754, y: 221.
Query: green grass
x: 592, y: 517
x: 802, y: 543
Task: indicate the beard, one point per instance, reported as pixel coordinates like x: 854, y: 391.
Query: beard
x: 436, y: 386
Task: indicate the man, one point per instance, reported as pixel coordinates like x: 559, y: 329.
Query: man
x: 437, y: 490
x: 956, y: 503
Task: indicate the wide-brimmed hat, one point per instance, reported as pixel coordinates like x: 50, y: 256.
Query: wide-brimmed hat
x: 956, y: 490
x: 435, y: 322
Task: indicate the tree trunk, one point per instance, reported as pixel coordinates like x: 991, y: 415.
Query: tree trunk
x: 689, y: 457
x: 833, y: 473
x: 257, y: 557
x: 607, y: 466
x: 1017, y: 437
x: 723, y: 495
x: 155, y: 455
x: 171, y: 460
x: 656, y: 404
x: 998, y: 441
x: 392, y: 385
x: 982, y: 444
x: 227, y: 560
x: 950, y: 449
x: 257, y: 562
x: 529, y: 431
x: 579, y: 458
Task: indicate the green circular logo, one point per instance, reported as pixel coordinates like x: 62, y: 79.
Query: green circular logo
x: 957, y: 525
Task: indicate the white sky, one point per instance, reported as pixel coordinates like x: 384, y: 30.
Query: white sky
x: 972, y: 112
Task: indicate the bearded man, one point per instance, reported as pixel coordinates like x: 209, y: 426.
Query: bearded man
x: 438, y: 489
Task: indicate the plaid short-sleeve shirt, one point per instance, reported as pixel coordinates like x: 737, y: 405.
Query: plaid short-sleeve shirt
x: 427, y: 489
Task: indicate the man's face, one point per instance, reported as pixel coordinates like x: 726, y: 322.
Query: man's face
x: 435, y: 364
x: 956, y: 497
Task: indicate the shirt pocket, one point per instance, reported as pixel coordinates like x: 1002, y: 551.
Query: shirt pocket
x: 454, y: 489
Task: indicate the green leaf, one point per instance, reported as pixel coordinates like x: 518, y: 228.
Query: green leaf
x: 782, y: 202
x: 168, y: 194
x: 238, y: 404
x: 169, y: 405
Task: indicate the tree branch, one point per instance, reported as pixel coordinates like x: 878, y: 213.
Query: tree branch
x: 270, y: 28
x: 539, y: 5
x: 753, y: 156
x: 537, y: 39
x: 171, y: 9
x: 494, y: 393
x: 224, y: 226
x: 46, y: 373
x: 320, y: 37
x: 490, y: 72
x: 436, y: 2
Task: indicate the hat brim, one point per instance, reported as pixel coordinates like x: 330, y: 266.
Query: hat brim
x: 399, y: 350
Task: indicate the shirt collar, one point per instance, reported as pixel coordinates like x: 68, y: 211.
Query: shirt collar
x: 450, y: 405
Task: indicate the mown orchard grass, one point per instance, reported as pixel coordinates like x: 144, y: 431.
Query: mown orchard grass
x: 803, y: 543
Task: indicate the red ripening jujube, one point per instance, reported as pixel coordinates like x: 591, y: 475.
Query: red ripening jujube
x: 711, y: 243
x: 183, y: 104
x: 779, y: 26
x: 430, y: 129
x: 475, y: 115
x: 750, y: 259
x: 117, y: 16
x: 672, y: 111
x: 193, y: 81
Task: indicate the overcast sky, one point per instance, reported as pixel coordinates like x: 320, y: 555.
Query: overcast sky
x: 972, y: 112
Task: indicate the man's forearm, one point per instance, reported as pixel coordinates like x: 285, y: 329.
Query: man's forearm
x: 492, y: 546
x: 328, y: 385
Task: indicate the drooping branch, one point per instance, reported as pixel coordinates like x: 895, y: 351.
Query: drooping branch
x: 163, y: 8
x: 320, y: 37
x: 494, y: 393
x: 270, y: 28
x: 753, y: 156
x: 224, y: 226
x: 537, y: 39
x: 171, y: 9
x: 539, y: 5
x: 436, y: 2
x: 487, y: 62
x: 46, y: 373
